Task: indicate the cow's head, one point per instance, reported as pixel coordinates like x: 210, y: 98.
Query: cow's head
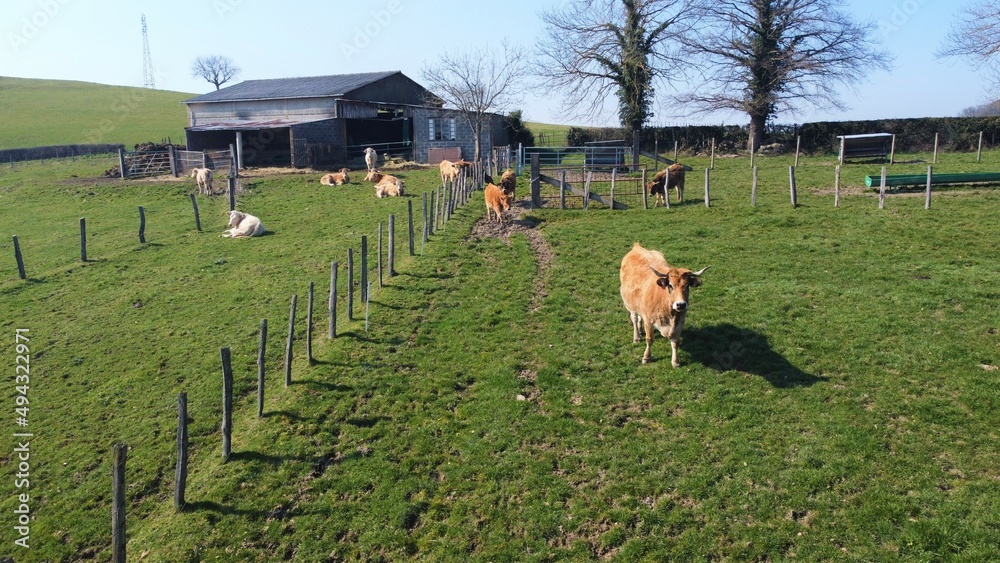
x: 235, y: 217
x: 677, y: 282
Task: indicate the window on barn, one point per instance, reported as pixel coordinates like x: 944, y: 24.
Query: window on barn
x: 442, y: 128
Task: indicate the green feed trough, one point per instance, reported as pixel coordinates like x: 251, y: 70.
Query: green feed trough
x: 936, y: 179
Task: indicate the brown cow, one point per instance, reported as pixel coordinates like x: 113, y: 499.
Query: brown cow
x: 496, y: 201
x: 656, y: 294
x: 659, y: 186
x: 336, y: 178
x: 508, y: 183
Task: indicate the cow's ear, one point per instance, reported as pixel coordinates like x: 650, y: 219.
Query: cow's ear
x: 663, y: 282
x: 695, y: 281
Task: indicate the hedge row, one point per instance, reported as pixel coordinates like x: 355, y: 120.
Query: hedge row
x: 917, y: 134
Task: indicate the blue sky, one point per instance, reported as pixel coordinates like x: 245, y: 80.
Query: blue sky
x: 101, y: 41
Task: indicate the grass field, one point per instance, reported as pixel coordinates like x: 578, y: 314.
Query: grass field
x: 38, y: 112
x: 835, y: 401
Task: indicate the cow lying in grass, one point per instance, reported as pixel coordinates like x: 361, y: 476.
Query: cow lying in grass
x: 389, y: 186
x: 242, y: 225
x: 338, y: 178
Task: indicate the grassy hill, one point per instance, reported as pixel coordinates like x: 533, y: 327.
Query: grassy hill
x: 37, y: 112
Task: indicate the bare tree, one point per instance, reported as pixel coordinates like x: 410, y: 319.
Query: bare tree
x: 596, y: 49
x: 215, y: 69
x: 976, y: 36
x: 479, y: 82
x: 762, y: 57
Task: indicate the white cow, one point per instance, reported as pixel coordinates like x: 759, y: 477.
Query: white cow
x: 370, y: 157
x: 243, y: 225
x: 204, y: 178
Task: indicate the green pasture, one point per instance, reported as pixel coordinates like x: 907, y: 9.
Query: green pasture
x: 836, y: 398
x: 37, y: 112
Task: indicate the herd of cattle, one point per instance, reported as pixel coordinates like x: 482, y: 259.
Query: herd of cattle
x: 654, y: 293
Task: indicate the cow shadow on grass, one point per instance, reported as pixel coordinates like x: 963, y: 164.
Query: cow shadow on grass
x: 726, y: 347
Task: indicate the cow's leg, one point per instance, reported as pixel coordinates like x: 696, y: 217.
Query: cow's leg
x: 674, y: 342
x: 647, y: 355
x: 635, y: 320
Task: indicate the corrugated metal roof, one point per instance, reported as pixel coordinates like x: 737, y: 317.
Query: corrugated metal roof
x: 335, y: 85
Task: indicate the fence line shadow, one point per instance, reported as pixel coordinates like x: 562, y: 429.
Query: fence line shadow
x: 725, y: 347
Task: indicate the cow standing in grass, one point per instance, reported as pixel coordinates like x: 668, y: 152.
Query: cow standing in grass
x: 656, y: 294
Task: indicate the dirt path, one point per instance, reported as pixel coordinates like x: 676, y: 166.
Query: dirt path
x: 516, y: 223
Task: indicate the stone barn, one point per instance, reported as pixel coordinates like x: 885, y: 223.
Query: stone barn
x: 330, y: 120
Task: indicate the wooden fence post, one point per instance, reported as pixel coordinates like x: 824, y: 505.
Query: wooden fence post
x: 656, y: 154
x: 708, y: 181
x: 424, y: 234
x: 930, y: 178
x: 562, y: 190
x: 197, y: 218
x: 288, y: 342
x: 676, y: 145
x: 836, y: 186
x: 350, y: 284
x: 332, y: 333
x: 979, y: 151
x: 843, y: 142
x: 121, y: 163
x: 261, y: 351
x: 612, y: 197
x: 409, y: 217
x: 142, y: 225
x: 586, y: 190
x: 391, y: 268
x: 380, y: 284
x: 309, y: 324
x: 791, y: 186
x: 19, y: 258
x: 642, y: 188
x: 892, y: 150
x: 83, y: 239
x: 881, y: 191
x: 180, y: 476
x: 172, y: 154
x: 232, y: 191
x: 118, y: 537
x: 227, y: 404
x: 753, y: 188
x: 935, y: 148
x: 712, y: 161
x: 363, y: 292
x: 536, y: 187
x: 751, y: 152
x: 798, y: 143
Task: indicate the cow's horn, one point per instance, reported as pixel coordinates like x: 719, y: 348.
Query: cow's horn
x: 658, y: 273
x: 701, y: 271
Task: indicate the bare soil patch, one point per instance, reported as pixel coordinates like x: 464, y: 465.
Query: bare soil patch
x: 515, y: 222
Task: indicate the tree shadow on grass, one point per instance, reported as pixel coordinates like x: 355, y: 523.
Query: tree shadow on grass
x: 725, y: 347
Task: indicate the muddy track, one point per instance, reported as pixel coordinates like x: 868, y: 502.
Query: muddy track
x: 515, y: 222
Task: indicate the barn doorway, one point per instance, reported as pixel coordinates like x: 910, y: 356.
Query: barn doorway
x: 390, y: 134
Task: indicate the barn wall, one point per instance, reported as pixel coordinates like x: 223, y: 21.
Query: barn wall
x: 464, y: 135
x: 322, y: 141
x: 395, y: 89
x: 200, y: 114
